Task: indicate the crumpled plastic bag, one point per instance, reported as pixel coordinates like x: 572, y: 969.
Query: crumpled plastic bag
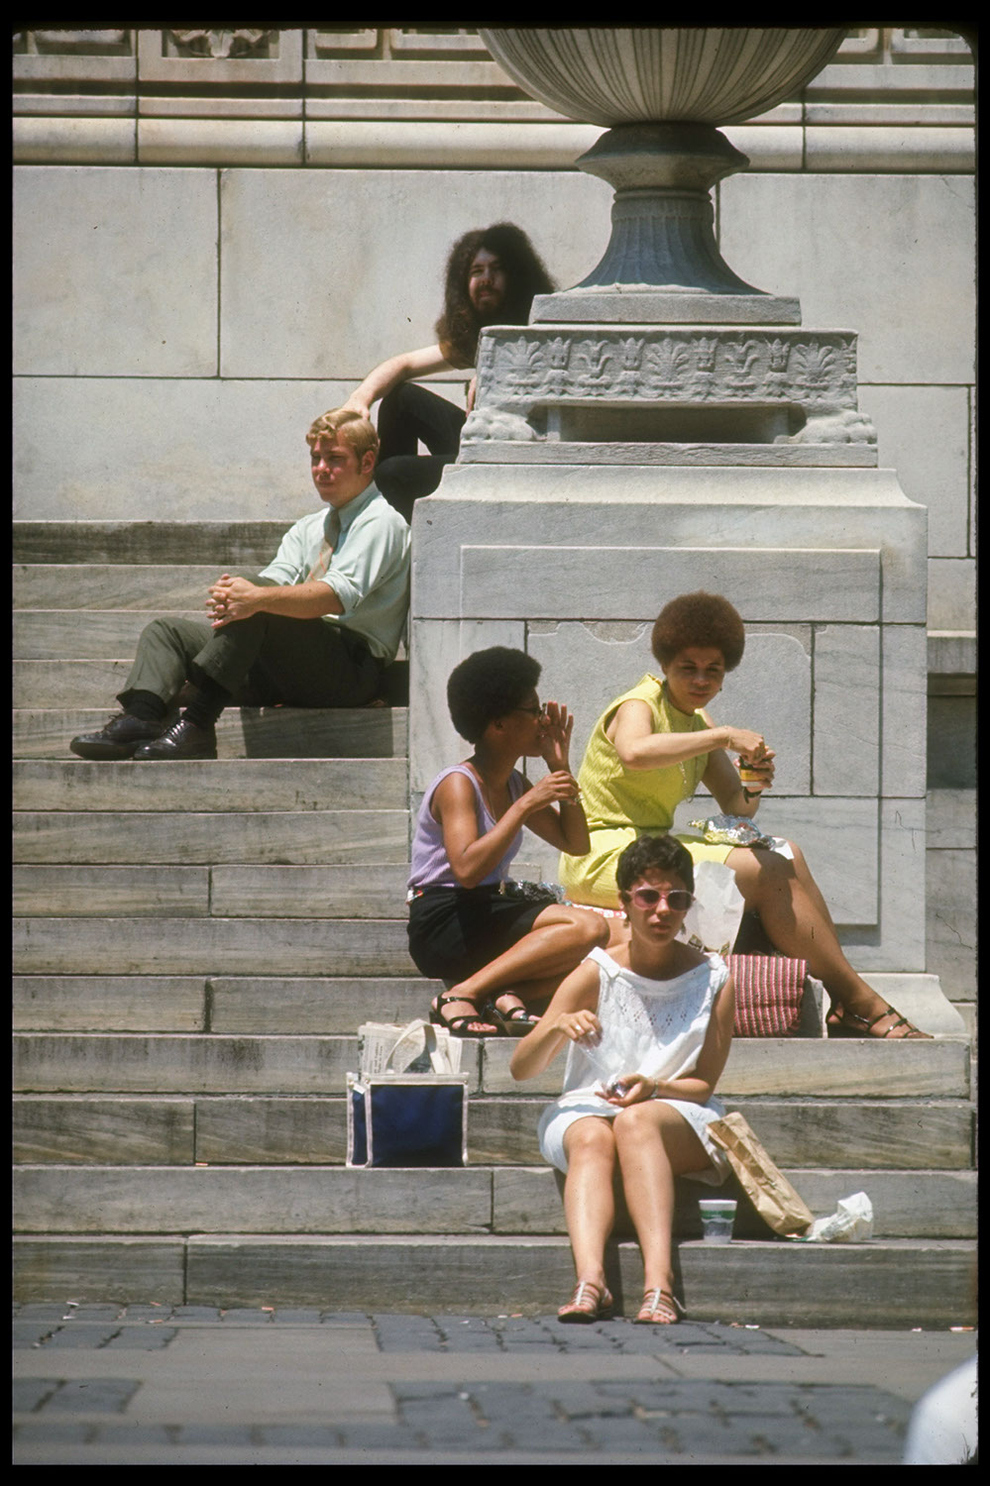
x: 852, y: 1222
x: 712, y: 922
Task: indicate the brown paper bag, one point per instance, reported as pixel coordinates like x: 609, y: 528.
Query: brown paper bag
x: 767, y: 1188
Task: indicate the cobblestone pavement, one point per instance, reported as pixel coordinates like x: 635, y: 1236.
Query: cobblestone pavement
x: 154, y: 1384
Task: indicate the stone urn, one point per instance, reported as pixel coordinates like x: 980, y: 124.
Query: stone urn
x: 661, y: 92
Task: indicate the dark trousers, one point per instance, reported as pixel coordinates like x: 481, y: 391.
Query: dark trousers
x: 410, y: 415
x: 271, y: 658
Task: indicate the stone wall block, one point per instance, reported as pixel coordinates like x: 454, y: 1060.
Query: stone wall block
x: 116, y: 273
x: 224, y: 141
x: 302, y: 298
x: 905, y: 710
x: 434, y: 743
x: 619, y: 581
x: 74, y: 141
x: 847, y: 710
x: 924, y: 433
x: 899, y: 151
x: 951, y: 925
x: 902, y: 849
x: 142, y: 446
x: 842, y: 258
x: 952, y: 593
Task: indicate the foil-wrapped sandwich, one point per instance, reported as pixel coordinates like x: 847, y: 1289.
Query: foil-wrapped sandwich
x: 731, y: 830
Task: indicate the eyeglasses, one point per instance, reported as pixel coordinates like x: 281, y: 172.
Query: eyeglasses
x: 533, y: 711
x: 678, y: 900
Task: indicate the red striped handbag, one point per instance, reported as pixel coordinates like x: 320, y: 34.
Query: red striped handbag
x: 769, y: 994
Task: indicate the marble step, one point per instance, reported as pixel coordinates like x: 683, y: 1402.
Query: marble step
x: 194, y: 837
x: 230, y: 785
x: 124, y: 544
x: 360, y: 891
x: 73, y: 682
x: 472, y: 1199
x: 884, y: 1284
x: 148, y: 588
x: 212, y: 1063
x: 268, y: 1003
x: 307, y: 1130
x: 65, y: 634
x: 210, y: 946
x: 322, y: 1004
x: 242, y: 732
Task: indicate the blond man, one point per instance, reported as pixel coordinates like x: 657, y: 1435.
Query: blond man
x: 315, y: 628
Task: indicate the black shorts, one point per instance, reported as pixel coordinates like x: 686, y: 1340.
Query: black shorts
x: 455, y: 931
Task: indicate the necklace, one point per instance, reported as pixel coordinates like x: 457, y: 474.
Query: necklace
x: 668, y: 707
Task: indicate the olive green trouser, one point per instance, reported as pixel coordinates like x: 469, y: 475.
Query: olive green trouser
x: 298, y: 662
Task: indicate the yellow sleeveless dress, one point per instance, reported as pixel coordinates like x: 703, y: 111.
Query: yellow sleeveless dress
x: 621, y: 804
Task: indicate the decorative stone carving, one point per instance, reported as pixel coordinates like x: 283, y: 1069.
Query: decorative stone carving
x: 493, y: 423
x: 847, y: 427
x: 522, y: 370
x: 234, y: 42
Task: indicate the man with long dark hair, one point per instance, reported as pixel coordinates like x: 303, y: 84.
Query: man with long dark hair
x: 492, y: 275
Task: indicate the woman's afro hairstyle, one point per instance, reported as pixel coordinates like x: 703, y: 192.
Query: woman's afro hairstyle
x: 705, y: 621
x: 488, y: 685
x: 653, y: 854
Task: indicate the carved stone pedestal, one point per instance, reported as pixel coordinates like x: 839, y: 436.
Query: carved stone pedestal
x: 573, y: 561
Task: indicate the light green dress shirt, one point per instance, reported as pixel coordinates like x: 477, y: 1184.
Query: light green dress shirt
x: 369, y: 569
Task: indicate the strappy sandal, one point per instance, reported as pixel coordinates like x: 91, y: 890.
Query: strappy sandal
x: 846, y: 1023
x: 590, y: 1302
x: 660, y: 1308
x: 516, y: 1022
x: 458, y: 1026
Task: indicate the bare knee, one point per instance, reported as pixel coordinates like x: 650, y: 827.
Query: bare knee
x: 590, y: 1139
x: 636, y: 1121
x: 590, y: 929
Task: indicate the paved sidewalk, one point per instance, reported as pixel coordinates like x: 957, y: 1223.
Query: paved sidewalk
x: 156, y: 1385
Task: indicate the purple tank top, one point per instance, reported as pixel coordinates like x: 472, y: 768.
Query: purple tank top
x: 429, y: 866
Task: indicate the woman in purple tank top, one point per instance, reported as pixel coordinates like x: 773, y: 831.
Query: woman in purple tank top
x: 498, y: 950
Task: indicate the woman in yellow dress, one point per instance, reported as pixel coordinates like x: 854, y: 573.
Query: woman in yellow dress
x: 652, y: 747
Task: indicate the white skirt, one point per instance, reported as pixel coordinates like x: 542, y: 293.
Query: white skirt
x: 581, y: 1103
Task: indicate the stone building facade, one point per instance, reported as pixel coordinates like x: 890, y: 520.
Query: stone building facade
x: 218, y: 232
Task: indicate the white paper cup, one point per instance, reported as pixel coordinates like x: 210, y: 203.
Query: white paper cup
x: 717, y: 1217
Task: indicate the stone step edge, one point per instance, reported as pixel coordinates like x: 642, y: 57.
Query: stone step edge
x: 888, y: 1283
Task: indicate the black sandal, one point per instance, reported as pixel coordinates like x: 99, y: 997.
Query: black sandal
x: 839, y: 1024
x: 456, y: 1025
x: 518, y: 1021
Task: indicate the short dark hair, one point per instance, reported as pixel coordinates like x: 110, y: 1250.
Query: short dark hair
x: 653, y: 853
x: 459, y: 326
x: 703, y: 620
x: 488, y: 685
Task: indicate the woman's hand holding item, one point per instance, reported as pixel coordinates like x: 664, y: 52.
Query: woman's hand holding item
x: 579, y: 1026
x: 554, y: 789
x: 629, y: 1088
x: 557, y: 728
x: 756, y: 773
x: 743, y: 740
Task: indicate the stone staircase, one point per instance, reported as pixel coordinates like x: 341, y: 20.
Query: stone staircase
x: 196, y: 944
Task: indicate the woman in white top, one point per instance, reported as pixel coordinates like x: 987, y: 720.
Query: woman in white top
x: 649, y: 1025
